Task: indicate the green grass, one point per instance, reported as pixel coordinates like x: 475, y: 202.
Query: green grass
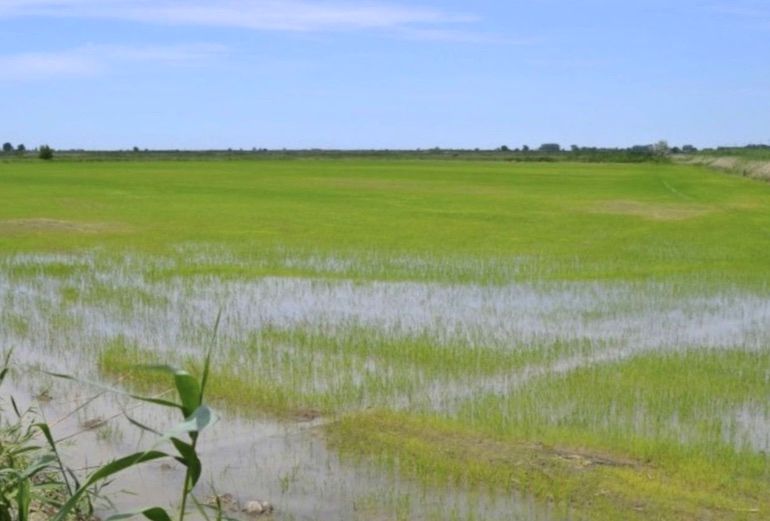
x: 655, y: 437
x: 287, y: 373
x: 675, y: 410
x: 590, y: 397
x: 578, y: 483
x: 559, y: 221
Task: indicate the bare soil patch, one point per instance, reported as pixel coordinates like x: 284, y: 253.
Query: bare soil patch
x: 54, y: 225
x: 652, y: 211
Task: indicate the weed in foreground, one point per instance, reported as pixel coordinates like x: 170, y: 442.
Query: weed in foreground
x: 34, y: 479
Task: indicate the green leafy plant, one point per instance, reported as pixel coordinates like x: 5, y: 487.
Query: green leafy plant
x: 45, y: 152
x: 183, y: 437
x: 32, y: 474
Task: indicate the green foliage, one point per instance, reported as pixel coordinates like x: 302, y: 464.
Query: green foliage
x: 32, y: 476
x: 550, y: 220
x: 750, y: 152
x: 684, y: 228
x: 550, y: 148
x: 653, y: 431
x: 637, y: 154
x: 45, y: 152
x: 577, y: 482
x: 35, y: 476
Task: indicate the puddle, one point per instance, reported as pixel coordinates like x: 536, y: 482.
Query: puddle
x: 59, y: 312
x: 751, y: 429
x: 287, y: 464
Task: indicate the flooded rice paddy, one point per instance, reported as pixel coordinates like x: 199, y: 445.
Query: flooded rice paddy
x: 322, y: 347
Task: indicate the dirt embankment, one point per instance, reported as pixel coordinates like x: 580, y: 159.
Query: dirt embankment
x: 735, y: 165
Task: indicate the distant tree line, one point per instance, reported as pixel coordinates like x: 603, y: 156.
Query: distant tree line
x: 546, y: 152
x: 752, y: 152
x: 43, y: 152
x: 659, y: 148
x: 8, y: 148
x: 555, y: 152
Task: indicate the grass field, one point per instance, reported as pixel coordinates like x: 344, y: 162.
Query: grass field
x: 593, y: 336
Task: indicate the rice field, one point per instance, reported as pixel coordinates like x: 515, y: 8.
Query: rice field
x: 404, y: 339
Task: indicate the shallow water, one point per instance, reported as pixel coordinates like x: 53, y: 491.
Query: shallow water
x: 285, y: 463
x: 105, y: 301
x: 59, y: 311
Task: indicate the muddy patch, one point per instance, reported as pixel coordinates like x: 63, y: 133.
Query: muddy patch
x: 257, y: 468
x: 652, y: 211
x: 55, y: 225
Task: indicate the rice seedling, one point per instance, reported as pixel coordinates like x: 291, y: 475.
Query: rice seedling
x: 590, y: 336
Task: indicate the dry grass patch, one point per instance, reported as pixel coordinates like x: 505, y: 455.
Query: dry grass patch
x: 55, y: 225
x: 652, y: 211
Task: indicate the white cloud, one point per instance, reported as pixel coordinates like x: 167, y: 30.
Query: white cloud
x: 170, y: 54
x: 91, y: 60
x: 285, y: 15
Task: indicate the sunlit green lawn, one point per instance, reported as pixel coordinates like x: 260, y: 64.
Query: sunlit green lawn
x: 558, y: 220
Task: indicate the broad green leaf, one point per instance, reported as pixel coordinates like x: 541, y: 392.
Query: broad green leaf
x: 189, y: 391
x: 201, y: 418
x: 153, y: 514
x: 104, y: 472
x: 190, y: 459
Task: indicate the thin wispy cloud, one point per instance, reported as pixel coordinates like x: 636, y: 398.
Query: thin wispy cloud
x: 92, y: 60
x: 284, y: 15
x: 460, y: 36
x: 754, y: 11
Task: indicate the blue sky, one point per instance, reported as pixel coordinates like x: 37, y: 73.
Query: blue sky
x: 383, y: 74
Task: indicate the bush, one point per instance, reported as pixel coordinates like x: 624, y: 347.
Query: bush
x: 45, y: 152
x: 34, y: 479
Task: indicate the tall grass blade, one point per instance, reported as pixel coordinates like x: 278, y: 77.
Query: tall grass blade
x: 207, y: 360
x: 106, y: 471
x: 23, y: 499
x: 119, y: 392
x: 43, y: 427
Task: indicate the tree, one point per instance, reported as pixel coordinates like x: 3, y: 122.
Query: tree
x: 525, y: 148
x: 505, y: 148
x: 550, y: 147
x: 21, y: 148
x: 45, y: 152
x: 661, y: 148
x: 7, y: 147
